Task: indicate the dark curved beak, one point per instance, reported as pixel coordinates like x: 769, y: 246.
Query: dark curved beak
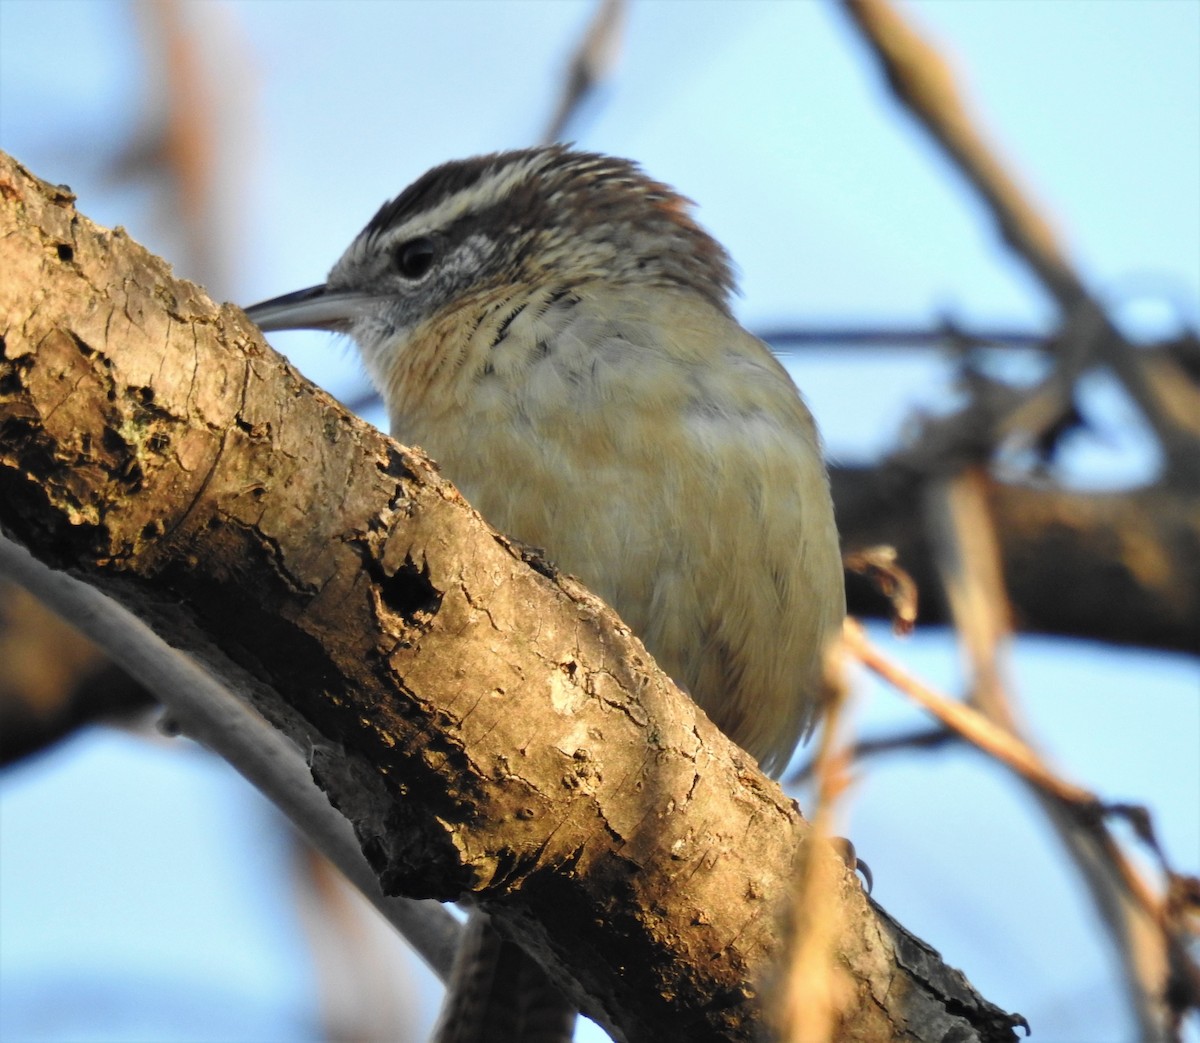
x: 317, y: 308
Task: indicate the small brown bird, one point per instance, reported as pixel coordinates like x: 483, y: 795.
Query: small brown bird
x: 555, y: 330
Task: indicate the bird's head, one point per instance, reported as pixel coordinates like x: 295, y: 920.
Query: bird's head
x: 543, y: 217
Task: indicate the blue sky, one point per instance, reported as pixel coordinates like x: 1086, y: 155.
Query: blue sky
x: 138, y: 877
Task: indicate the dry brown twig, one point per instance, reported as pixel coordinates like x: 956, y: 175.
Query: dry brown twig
x: 594, y: 59
x: 195, y: 141
x: 967, y: 723
x: 1008, y: 749
x: 880, y: 564
x: 814, y: 990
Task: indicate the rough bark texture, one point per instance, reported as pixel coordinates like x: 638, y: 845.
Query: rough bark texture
x: 489, y: 727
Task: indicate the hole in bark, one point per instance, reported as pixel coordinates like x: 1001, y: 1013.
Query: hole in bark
x: 408, y: 592
x: 396, y: 467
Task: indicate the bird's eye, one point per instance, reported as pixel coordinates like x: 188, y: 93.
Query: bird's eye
x: 414, y: 258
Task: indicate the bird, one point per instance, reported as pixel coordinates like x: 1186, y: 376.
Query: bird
x: 555, y: 329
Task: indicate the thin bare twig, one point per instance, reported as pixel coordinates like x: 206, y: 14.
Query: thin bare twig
x: 593, y: 62
x: 195, y: 142
x: 925, y: 83
x: 924, y: 738
x: 814, y: 989
x: 791, y: 338
x: 965, y: 722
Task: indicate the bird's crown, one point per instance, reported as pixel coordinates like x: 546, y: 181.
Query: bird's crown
x: 547, y: 214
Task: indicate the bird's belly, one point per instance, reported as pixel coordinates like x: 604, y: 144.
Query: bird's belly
x: 604, y: 524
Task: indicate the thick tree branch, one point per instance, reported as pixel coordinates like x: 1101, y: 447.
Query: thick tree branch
x: 490, y: 729
x: 1130, y: 561
x: 205, y: 711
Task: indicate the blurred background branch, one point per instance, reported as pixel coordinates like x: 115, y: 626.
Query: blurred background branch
x: 923, y: 82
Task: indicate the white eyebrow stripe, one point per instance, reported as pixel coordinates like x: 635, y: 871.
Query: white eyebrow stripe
x: 478, y: 197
